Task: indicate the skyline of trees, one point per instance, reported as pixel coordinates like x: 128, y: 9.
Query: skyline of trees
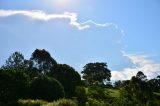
x: 41, y: 77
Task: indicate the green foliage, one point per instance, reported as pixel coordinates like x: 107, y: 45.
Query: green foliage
x: 13, y: 85
x: 102, y: 95
x: 65, y: 102
x: 140, y: 90
x: 61, y: 102
x: 68, y: 77
x: 30, y: 102
x: 42, y: 61
x: 43, y: 79
x: 46, y: 88
x: 124, y: 101
x: 93, y: 72
x: 118, y: 84
x: 81, y: 95
x: 137, y: 90
x: 15, y: 62
x: 140, y: 75
x: 155, y: 84
x: 113, y: 92
x: 96, y: 92
x: 94, y: 102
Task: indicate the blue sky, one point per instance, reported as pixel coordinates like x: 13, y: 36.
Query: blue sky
x: 123, y: 33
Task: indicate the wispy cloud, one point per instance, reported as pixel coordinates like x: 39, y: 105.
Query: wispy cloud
x: 100, y: 25
x: 122, y: 36
x: 140, y: 63
x: 41, y: 15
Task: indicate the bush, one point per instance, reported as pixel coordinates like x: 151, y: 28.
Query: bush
x: 124, y: 101
x: 96, y: 92
x: 46, y: 88
x: 81, y: 95
x: 94, y: 102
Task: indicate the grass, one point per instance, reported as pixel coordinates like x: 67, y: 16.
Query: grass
x: 109, y: 92
x: 60, y: 102
x: 156, y: 93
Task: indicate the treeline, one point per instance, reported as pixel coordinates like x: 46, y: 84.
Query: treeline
x: 41, y: 81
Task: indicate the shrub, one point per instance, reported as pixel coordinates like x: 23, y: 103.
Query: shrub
x: 81, y: 95
x: 94, y: 102
x: 46, y: 88
x: 96, y: 92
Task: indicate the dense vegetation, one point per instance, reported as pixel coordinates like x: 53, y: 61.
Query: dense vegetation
x: 41, y: 81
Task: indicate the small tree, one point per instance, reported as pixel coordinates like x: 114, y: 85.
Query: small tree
x: 15, y: 61
x: 93, y: 72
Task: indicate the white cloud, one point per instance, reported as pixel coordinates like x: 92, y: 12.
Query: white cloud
x: 101, y: 25
x: 40, y: 15
x: 141, y: 63
x: 123, y: 35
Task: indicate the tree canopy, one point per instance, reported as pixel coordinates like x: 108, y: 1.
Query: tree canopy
x: 42, y: 61
x: 46, y: 88
x: 93, y: 72
x: 15, y: 61
x: 68, y: 77
x: 141, y: 75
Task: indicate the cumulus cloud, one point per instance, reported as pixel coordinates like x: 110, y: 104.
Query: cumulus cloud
x: 140, y: 63
x: 41, y: 15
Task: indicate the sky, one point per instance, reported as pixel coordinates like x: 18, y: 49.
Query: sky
x: 123, y: 33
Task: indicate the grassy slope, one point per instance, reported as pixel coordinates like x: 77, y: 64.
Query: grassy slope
x: 113, y: 92
x: 109, y: 92
x: 156, y: 93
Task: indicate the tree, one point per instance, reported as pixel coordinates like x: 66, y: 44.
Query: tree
x: 46, y: 88
x: 157, y: 87
x: 140, y: 89
x: 15, y: 61
x: 68, y: 77
x: 42, y: 61
x: 137, y: 89
x: 155, y: 84
x: 93, y: 72
x: 118, y: 84
x: 13, y: 85
x: 141, y: 76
